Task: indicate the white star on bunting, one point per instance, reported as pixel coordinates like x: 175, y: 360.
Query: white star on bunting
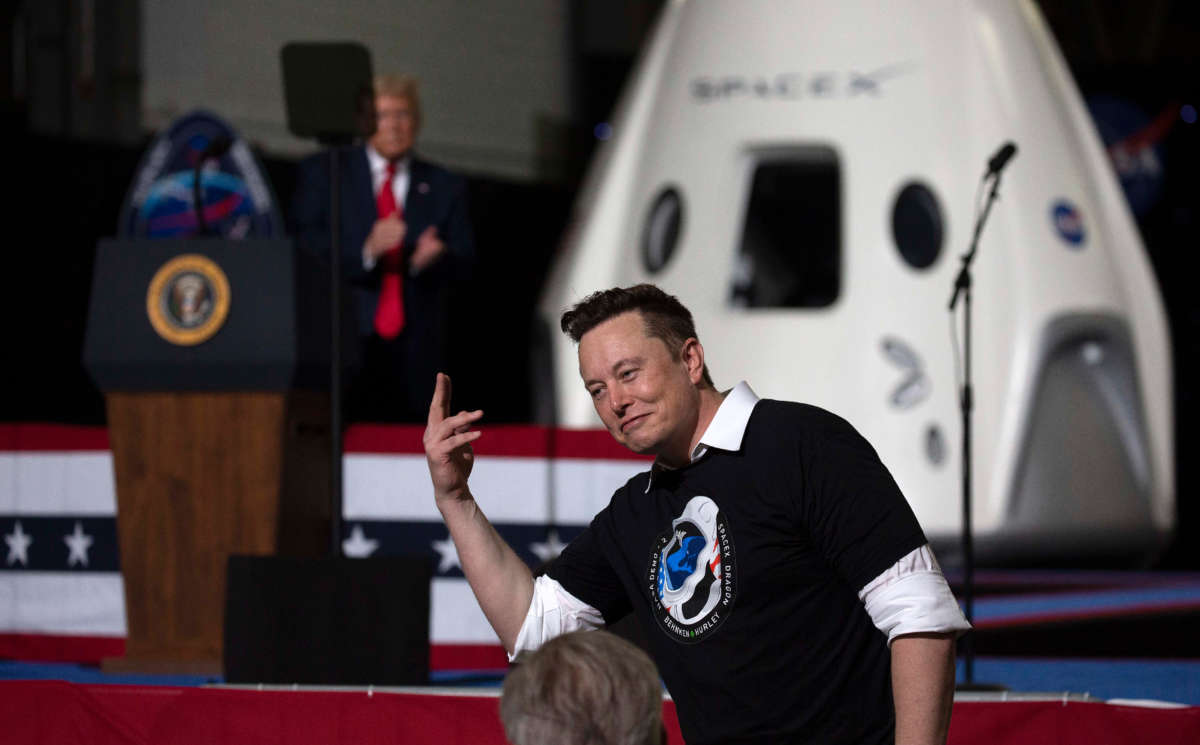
x: 549, y: 548
x: 358, y: 546
x: 78, y: 543
x: 18, y: 546
x: 448, y: 553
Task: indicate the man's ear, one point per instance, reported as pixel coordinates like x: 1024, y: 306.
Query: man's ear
x: 692, y: 355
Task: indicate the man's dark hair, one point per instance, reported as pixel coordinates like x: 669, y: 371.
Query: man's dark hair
x: 663, y: 316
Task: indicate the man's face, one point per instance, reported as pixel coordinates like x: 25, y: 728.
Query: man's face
x: 647, y: 399
x: 394, y: 127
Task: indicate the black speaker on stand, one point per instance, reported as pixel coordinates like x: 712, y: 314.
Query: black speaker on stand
x: 334, y: 620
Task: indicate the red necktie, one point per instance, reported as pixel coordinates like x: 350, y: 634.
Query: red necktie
x: 389, y: 315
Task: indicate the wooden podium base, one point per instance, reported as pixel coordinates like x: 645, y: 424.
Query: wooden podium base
x: 201, y: 476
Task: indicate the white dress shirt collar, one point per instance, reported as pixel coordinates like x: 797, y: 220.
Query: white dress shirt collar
x: 726, y: 429
x: 379, y: 165
x: 728, y: 425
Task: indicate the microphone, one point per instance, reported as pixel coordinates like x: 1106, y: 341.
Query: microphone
x: 216, y: 148
x: 1001, y: 158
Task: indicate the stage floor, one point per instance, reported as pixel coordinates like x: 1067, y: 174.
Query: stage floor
x: 1174, y: 681
x: 54, y: 711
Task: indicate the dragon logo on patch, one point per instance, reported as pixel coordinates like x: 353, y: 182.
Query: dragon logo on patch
x: 692, y: 574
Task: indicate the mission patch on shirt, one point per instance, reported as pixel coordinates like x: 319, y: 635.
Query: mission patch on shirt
x: 692, y: 572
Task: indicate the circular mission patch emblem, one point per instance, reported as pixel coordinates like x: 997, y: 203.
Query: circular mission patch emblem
x: 188, y: 299
x: 692, y: 573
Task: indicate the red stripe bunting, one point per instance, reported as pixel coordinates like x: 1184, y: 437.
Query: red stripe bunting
x: 1085, y: 614
x: 500, y: 440
x: 52, y: 648
x: 467, y: 657
x: 52, y: 437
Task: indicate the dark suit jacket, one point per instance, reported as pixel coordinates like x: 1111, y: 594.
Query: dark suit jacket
x: 435, y: 197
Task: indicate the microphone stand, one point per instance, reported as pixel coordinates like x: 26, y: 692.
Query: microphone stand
x: 328, y: 91
x: 335, y: 346
x: 962, y: 289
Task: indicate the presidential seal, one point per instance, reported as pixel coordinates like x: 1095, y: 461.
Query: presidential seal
x: 188, y: 300
x: 691, y: 573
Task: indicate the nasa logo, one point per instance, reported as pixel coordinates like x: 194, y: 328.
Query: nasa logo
x: 1068, y: 223
x: 692, y: 573
x: 188, y: 300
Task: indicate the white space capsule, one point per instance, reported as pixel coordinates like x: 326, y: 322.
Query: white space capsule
x: 804, y: 176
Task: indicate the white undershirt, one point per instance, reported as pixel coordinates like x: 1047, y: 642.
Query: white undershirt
x: 909, y: 597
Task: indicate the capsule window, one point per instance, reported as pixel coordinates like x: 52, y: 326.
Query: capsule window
x: 790, y: 251
x: 660, y: 234
x: 917, y: 225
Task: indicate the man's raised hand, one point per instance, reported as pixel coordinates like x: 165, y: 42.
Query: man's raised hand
x: 448, y: 445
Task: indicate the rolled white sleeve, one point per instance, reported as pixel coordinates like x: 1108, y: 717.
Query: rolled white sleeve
x: 912, y: 597
x: 552, y: 611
